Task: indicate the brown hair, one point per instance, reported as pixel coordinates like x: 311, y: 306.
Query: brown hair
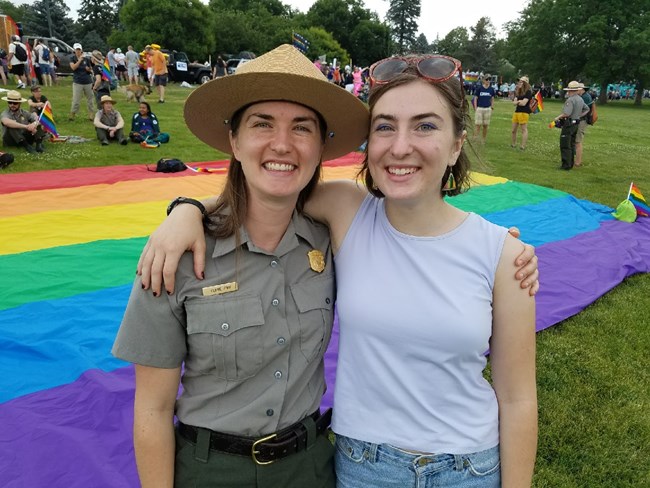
x: 522, y: 89
x: 453, y: 92
x: 232, y: 204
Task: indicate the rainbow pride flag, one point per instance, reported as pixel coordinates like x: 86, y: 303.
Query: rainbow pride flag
x: 639, y: 202
x: 69, y: 248
x: 106, y: 70
x: 46, y: 119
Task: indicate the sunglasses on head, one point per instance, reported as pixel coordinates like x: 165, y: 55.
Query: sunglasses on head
x: 432, y: 67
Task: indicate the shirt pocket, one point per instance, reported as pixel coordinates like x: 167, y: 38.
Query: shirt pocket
x: 224, y: 337
x: 315, y: 303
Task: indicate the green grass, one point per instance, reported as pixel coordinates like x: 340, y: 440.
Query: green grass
x: 593, y: 369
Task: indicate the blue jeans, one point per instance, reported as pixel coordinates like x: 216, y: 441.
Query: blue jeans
x: 361, y: 464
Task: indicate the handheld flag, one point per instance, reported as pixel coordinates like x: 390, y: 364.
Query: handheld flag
x: 640, y: 204
x: 106, y: 70
x: 46, y: 119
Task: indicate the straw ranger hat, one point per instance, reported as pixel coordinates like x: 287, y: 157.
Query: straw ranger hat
x: 14, y: 96
x: 524, y: 78
x: 283, y: 74
x: 107, y: 98
x: 574, y: 85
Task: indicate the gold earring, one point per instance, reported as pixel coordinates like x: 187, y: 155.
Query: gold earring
x: 451, y: 182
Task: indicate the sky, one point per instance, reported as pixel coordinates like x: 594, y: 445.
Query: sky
x: 436, y: 18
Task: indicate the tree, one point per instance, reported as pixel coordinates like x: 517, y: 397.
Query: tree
x: 13, y: 10
x: 454, y: 43
x: 480, y: 48
x: 421, y: 45
x: 553, y: 39
x: 49, y: 18
x: 181, y: 25
x: 100, y: 16
x: 402, y: 17
x: 354, y: 27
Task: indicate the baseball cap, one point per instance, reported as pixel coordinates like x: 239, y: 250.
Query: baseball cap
x: 76, y: 45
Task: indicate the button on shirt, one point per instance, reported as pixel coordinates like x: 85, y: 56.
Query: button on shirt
x: 253, y: 357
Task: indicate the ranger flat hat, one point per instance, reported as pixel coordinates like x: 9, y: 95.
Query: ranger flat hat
x: 14, y: 96
x: 574, y: 85
x: 283, y: 74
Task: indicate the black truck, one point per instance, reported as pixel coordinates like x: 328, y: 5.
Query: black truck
x: 180, y: 69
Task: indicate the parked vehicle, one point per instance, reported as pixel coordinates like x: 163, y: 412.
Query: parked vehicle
x: 234, y: 63
x: 62, y: 51
x: 180, y: 69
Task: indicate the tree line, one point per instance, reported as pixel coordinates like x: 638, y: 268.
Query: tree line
x: 595, y: 41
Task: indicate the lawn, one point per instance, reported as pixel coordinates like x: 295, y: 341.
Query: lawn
x: 593, y: 374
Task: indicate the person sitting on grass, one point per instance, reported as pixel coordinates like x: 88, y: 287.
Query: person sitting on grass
x: 37, y: 101
x: 20, y: 127
x: 109, y: 123
x: 144, y: 124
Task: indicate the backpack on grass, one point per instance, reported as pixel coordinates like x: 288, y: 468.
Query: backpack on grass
x: 169, y: 165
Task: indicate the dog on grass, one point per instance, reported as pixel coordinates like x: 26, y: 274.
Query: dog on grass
x: 135, y: 92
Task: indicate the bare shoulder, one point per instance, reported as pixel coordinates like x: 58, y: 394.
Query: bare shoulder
x: 336, y: 203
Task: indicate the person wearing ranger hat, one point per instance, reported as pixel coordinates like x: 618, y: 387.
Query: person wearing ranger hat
x: 253, y: 333
x: 20, y: 127
x: 574, y: 108
x: 109, y: 124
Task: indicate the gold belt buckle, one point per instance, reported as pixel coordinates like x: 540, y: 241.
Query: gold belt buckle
x: 254, y: 452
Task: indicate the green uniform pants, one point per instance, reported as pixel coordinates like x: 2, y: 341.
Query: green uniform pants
x: 310, y: 468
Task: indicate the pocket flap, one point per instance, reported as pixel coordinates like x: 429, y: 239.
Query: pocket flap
x: 223, y: 316
x: 314, y: 294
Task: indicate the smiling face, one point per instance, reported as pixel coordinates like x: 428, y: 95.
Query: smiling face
x: 144, y: 111
x: 279, y: 145
x: 411, y: 144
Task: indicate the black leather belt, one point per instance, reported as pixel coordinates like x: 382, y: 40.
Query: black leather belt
x: 266, y: 449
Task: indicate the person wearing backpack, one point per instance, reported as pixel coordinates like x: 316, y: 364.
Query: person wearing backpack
x: 523, y: 94
x: 44, y: 57
x: 582, y: 126
x: 17, y: 59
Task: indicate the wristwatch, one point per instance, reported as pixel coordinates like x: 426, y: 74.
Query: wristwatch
x: 178, y: 200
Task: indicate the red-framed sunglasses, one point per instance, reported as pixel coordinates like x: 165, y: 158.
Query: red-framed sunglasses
x: 433, y: 67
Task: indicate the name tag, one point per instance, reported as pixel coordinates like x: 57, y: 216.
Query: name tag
x: 220, y: 289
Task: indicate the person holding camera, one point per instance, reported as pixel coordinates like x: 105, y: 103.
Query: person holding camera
x: 574, y: 108
x: 82, y: 82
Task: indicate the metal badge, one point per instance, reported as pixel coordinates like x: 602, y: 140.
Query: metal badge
x: 220, y: 289
x: 316, y: 260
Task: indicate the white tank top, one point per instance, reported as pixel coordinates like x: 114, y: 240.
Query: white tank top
x: 415, y: 315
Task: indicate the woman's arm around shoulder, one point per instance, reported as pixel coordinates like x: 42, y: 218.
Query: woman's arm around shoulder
x: 512, y: 356
x: 153, y: 424
x: 335, y: 203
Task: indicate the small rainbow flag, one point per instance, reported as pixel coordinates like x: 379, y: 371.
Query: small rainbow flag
x: 641, y: 206
x: 106, y: 71
x: 540, y: 103
x: 46, y: 120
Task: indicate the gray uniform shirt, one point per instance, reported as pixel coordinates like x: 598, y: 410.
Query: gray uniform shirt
x: 575, y: 107
x: 253, y: 357
x: 21, y: 116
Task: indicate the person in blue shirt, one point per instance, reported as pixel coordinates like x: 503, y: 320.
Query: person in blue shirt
x: 483, y: 102
x: 144, y: 124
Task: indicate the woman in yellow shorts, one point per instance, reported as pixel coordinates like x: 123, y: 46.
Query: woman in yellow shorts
x: 523, y: 94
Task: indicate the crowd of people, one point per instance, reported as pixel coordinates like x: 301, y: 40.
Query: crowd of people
x: 92, y: 87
